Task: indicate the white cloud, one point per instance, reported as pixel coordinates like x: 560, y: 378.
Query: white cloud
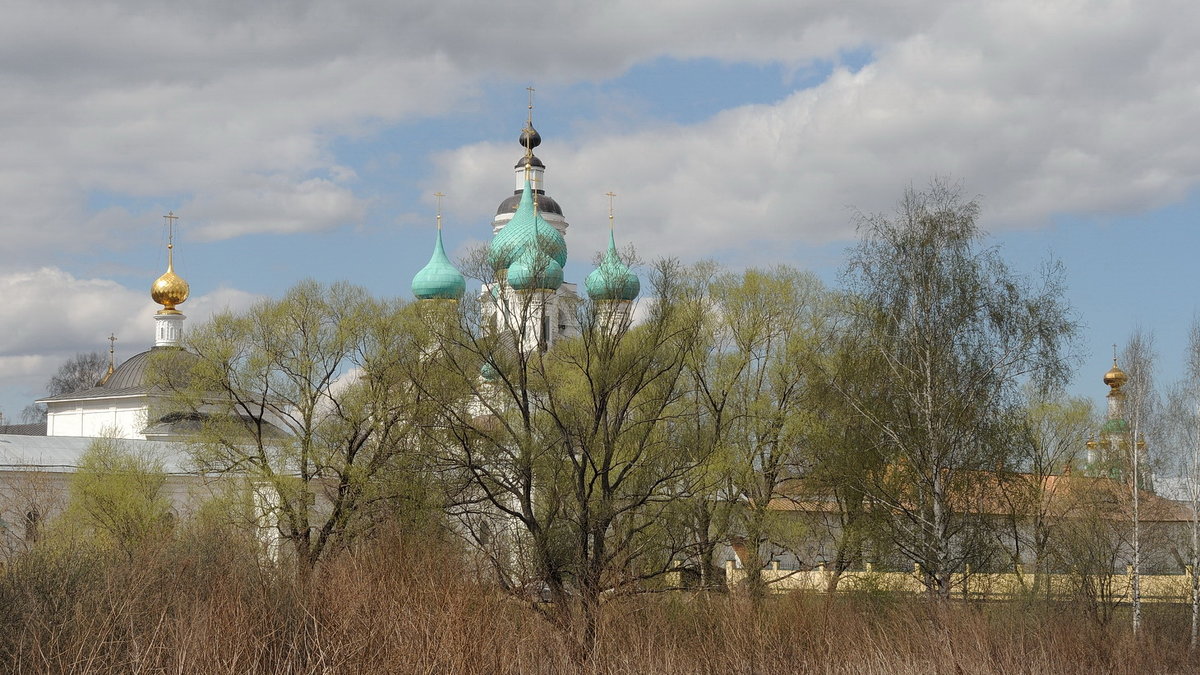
x: 230, y: 106
x: 49, y: 310
x: 51, y: 315
x: 273, y: 205
x: 223, y: 299
x: 229, y: 109
x: 1070, y: 108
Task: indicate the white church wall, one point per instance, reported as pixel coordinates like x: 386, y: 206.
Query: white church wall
x: 106, y: 418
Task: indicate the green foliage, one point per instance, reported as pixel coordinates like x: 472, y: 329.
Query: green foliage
x: 950, y: 334
x: 308, y: 397
x: 763, y: 334
x: 117, y: 495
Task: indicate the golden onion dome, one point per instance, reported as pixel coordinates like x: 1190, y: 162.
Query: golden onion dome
x: 1115, y: 377
x: 169, y: 290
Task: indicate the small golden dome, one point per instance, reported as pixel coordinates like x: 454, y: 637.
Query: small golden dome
x: 1115, y: 377
x: 169, y: 290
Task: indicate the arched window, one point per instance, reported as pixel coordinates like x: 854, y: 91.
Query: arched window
x: 33, y: 522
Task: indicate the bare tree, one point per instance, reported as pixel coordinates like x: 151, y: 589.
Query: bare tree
x: 561, y: 459
x: 82, y: 371
x: 1094, y: 546
x: 77, y: 373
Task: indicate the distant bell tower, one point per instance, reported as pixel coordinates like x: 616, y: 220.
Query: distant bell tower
x: 527, y: 298
x: 1112, y: 455
x: 169, y: 290
x: 529, y: 166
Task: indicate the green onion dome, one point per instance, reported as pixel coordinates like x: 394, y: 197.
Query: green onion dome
x: 488, y: 372
x: 612, y: 279
x: 1117, y: 426
x: 526, y: 230
x: 439, y: 279
x: 535, y: 271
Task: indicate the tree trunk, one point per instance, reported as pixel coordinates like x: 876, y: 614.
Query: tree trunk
x: 756, y: 587
x: 706, y: 548
x: 1195, y: 579
x: 1136, y: 581
x: 938, y: 546
x: 1194, y: 570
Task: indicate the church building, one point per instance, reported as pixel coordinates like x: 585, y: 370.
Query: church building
x: 119, y: 406
x: 527, y: 299
x: 527, y: 296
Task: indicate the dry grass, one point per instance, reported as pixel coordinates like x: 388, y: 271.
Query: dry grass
x: 203, y: 606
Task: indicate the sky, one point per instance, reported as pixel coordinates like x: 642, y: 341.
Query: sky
x: 306, y: 139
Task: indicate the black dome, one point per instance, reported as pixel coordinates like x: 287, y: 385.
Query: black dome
x: 532, y: 160
x: 545, y: 204
x: 530, y: 138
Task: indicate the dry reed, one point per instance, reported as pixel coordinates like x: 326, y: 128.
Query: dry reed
x: 404, y: 604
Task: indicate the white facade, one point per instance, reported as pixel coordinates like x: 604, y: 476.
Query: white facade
x: 537, y: 318
x: 168, y: 330
x: 115, y: 417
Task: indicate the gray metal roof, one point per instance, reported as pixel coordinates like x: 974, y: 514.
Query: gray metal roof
x: 546, y: 203
x: 62, y: 453
x: 30, y: 429
x: 129, y: 379
x: 531, y: 160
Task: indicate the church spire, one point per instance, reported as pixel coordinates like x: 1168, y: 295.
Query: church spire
x: 529, y: 169
x: 112, y: 359
x: 612, y: 280
x: 1116, y: 450
x: 169, y: 290
x: 1116, y: 378
x: 439, y: 279
x: 533, y: 167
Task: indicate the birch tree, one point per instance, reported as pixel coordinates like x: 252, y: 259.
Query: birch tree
x: 1140, y: 409
x: 955, y: 333
x: 1181, y: 418
x: 1191, y: 466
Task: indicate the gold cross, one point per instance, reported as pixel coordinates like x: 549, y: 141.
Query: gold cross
x: 530, y: 90
x: 438, y: 196
x: 610, y: 196
x: 170, y: 218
